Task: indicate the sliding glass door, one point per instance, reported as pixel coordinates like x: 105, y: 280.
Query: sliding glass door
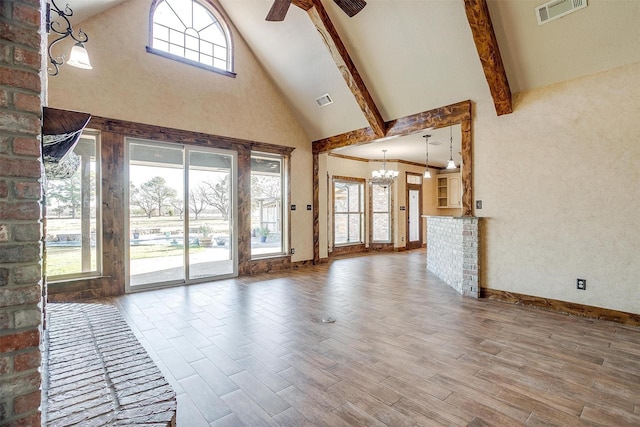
x: 180, y: 214
x: 210, y: 214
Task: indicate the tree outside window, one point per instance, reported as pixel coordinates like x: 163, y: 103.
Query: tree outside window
x: 267, y: 202
x: 73, y: 235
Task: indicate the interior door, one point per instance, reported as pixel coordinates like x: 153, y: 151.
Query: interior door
x: 414, y: 219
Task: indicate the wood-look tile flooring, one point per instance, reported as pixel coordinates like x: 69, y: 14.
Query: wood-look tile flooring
x: 405, y: 349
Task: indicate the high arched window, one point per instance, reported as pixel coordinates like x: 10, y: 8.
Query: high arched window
x: 191, y: 32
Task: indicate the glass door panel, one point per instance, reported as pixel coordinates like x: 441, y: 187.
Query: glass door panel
x: 156, y: 224
x: 210, y: 215
x: 181, y: 216
x: 414, y: 239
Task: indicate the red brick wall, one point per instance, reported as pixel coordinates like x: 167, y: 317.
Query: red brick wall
x: 20, y: 212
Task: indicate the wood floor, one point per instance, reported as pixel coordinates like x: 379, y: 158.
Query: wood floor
x: 405, y: 349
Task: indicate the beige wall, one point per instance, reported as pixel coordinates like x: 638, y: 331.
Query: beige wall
x: 130, y: 84
x: 560, y: 184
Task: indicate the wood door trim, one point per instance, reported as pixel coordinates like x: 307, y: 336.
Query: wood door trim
x: 418, y: 243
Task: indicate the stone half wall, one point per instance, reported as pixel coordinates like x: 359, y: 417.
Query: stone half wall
x: 452, y: 252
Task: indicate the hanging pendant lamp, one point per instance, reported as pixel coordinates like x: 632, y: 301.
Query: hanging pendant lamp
x: 451, y: 164
x: 427, y: 174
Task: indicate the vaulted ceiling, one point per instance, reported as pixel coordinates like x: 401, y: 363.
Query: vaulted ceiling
x: 397, y: 58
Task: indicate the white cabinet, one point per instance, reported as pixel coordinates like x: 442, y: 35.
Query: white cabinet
x: 449, y: 192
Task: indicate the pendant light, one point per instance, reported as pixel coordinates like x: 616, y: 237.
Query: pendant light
x: 427, y: 174
x: 451, y: 164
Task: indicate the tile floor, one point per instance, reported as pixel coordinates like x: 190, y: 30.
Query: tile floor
x: 405, y: 349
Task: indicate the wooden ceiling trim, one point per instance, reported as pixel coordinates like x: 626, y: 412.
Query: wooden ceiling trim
x: 345, y: 65
x: 487, y: 46
x: 355, y: 159
x: 437, y: 118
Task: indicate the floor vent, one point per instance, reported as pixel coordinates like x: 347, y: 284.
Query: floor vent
x: 557, y: 9
x: 324, y: 100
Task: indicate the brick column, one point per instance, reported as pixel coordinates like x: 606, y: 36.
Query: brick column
x: 452, y: 252
x: 20, y: 212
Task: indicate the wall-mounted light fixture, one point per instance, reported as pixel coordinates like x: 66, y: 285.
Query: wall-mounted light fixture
x: 78, y: 56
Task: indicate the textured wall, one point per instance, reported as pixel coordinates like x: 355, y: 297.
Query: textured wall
x: 560, y: 184
x: 20, y: 226
x: 130, y: 84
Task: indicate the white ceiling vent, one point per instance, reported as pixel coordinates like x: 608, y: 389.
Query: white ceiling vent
x: 324, y: 100
x: 557, y: 9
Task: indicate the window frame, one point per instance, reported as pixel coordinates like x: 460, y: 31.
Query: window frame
x: 97, y: 252
x: 361, y: 210
x: 229, y: 72
x: 284, y: 219
x: 389, y: 212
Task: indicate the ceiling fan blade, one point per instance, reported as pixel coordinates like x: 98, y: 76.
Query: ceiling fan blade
x: 351, y: 7
x: 278, y: 10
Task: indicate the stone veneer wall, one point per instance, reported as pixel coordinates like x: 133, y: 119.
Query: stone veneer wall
x: 452, y: 252
x: 20, y: 213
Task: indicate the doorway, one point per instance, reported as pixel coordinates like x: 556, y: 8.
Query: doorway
x: 414, y: 210
x: 180, y: 215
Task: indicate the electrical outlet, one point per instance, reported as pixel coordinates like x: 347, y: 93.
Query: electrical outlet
x: 293, y: 251
x: 581, y: 284
x: 478, y: 204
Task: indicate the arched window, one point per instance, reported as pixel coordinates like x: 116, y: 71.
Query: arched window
x: 191, y: 32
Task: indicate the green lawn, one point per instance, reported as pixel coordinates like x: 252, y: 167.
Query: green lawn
x: 65, y: 260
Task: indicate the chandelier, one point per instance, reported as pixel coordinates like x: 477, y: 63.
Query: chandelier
x: 383, y: 176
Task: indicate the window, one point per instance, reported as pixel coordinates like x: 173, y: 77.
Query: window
x: 380, y: 213
x: 188, y: 30
x: 267, y: 204
x: 73, y: 215
x: 348, y: 214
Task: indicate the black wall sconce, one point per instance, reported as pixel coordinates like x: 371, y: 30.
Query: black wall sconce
x: 78, y: 57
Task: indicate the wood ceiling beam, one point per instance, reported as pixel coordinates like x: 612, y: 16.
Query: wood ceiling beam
x: 437, y: 118
x: 345, y: 65
x: 487, y: 46
x: 303, y: 4
x: 354, y: 137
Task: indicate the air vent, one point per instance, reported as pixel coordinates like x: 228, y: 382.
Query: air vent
x: 324, y: 100
x: 557, y: 9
